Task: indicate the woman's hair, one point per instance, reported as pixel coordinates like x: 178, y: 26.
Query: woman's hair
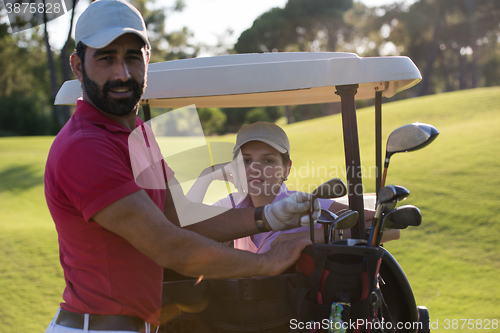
x: 285, y: 157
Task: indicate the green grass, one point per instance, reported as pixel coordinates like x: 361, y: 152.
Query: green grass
x: 452, y: 260
x: 31, y: 279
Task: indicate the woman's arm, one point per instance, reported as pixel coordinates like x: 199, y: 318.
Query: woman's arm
x: 215, y: 172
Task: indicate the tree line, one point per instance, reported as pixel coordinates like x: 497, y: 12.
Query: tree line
x: 454, y: 43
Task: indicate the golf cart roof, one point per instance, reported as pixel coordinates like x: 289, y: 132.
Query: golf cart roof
x: 266, y: 79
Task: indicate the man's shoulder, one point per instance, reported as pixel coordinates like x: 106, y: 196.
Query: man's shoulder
x: 76, y: 135
x: 74, y: 146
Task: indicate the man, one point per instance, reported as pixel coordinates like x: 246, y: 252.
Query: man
x: 115, y: 237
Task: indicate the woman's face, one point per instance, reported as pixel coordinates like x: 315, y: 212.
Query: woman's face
x: 264, y: 168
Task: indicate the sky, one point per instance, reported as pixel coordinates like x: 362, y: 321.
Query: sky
x: 207, y: 19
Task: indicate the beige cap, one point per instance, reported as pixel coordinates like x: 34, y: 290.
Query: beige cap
x: 106, y: 20
x: 268, y: 133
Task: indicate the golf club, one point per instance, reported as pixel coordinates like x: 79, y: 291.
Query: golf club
x: 345, y: 220
x: 326, y: 218
x: 389, y: 195
x: 403, y: 216
x: 334, y: 188
x: 332, y: 222
x: 408, y: 138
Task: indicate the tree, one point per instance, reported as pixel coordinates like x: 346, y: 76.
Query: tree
x: 212, y: 120
x: 61, y: 112
x: 165, y: 46
x: 24, y: 107
x: 446, y: 39
x: 303, y: 25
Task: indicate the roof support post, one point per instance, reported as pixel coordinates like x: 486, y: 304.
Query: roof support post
x: 147, y: 112
x: 378, y: 140
x: 352, y: 156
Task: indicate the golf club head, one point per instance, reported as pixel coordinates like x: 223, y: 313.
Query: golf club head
x: 392, y: 193
x: 410, y: 138
x: 334, y: 188
x: 388, y: 206
x: 402, y: 217
x: 326, y: 217
x: 346, y: 220
x: 401, y: 193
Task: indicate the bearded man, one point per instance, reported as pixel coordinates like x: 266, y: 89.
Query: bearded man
x: 115, y: 237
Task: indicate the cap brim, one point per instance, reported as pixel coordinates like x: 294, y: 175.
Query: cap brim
x: 272, y: 144
x: 106, y: 37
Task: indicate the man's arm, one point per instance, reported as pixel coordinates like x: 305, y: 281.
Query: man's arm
x: 137, y: 219
x: 222, y: 225
x: 226, y: 225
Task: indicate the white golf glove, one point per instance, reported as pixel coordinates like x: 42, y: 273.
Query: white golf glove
x: 291, y: 212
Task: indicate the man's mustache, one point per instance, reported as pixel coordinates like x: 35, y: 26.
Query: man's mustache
x: 130, y: 83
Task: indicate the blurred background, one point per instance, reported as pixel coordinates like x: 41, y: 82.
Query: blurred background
x: 452, y: 260
x: 455, y: 44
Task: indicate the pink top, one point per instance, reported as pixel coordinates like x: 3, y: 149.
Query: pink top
x: 262, y: 242
x: 88, y: 168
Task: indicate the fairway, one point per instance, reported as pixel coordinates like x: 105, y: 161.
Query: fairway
x: 452, y: 260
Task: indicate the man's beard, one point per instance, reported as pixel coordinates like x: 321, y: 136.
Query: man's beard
x: 116, y: 106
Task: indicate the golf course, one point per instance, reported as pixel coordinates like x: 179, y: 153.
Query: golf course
x: 452, y: 260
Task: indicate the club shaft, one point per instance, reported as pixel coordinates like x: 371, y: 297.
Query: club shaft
x: 311, y: 226
x: 380, y: 234
x: 375, y: 226
x: 384, y: 175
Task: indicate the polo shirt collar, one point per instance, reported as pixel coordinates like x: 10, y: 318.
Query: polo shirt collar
x: 91, y: 114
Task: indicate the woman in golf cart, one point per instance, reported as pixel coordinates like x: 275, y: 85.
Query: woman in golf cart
x: 264, y: 150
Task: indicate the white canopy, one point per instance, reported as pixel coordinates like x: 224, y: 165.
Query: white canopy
x: 266, y: 79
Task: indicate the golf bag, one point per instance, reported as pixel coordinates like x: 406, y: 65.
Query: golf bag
x: 263, y: 304
x: 337, y: 284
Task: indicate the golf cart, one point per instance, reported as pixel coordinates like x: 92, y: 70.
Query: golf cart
x: 274, y: 79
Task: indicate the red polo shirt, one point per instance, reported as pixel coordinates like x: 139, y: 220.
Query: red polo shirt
x: 88, y: 168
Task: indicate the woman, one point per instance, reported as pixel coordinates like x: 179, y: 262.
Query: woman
x: 265, y: 151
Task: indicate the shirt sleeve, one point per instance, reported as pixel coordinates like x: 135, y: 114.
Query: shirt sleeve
x: 96, y: 173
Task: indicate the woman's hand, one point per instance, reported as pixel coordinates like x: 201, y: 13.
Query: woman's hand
x: 223, y: 172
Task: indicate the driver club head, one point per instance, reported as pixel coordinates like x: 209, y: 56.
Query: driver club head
x: 334, y: 188
x: 410, y: 138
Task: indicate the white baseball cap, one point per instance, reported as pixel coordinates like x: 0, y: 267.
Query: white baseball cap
x: 105, y: 20
x: 268, y: 133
